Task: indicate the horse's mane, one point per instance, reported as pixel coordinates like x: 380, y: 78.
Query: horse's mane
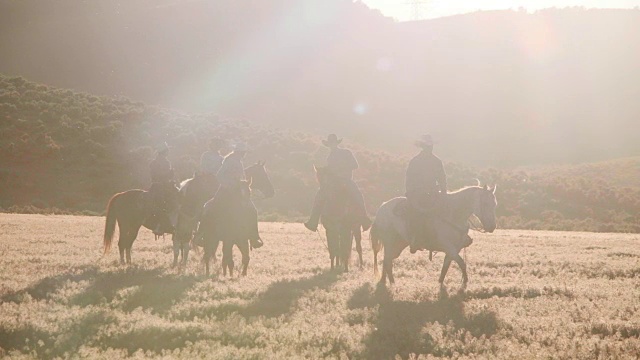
x: 463, y: 189
x: 183, y: 185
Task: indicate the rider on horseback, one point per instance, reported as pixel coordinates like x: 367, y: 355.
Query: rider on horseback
x: 160, y: 190
x: 211, y: 160
x: 341, y: 164
x: 426, y: 183
x: 229, y: 176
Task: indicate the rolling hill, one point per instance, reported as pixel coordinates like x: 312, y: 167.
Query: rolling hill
x: 66, y: 151
x: 499, y: 88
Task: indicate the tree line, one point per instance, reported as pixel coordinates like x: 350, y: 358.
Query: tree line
x: 63, y: 151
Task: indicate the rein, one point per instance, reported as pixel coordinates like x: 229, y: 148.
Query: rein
x: 474, y: 226
x: 324, y: 241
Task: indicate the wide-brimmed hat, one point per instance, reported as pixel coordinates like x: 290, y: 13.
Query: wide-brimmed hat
x: 332, y: 139
x: 217, y: 141
x: 424, y: 141
x: 240, y: 147
x: 162, y: 147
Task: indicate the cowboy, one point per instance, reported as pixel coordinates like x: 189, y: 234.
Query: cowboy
x: 161, y: 180
x: 340, y: 164
x: 425, y: 182
x: 230, y: 174
x: 211, y: 160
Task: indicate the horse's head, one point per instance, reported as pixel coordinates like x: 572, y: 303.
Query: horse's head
x: 485, y: 207
x: 259, y: 179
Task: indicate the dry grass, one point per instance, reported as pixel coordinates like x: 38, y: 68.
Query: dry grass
x: 531, y: 295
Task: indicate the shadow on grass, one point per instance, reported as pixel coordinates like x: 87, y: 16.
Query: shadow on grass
x: 399, y: 326
x: 280, y: 297
x: 153, y: 289
x: 49, y: 285
x: 48, y: 342
x: 277, y: 300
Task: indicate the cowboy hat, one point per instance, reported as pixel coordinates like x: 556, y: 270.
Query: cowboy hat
x: 217, y: 141
x: 424, y: 141
x: 332, y: 139
x: 240, y: 147
x: 162, y: 147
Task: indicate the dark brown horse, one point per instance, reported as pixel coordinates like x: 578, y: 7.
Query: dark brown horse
x: 130, y: 210
x: 194, y: 193
x: 339, y: 220
x: 231, y: 227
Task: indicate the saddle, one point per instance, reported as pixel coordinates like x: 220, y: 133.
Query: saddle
x: 163, y: 204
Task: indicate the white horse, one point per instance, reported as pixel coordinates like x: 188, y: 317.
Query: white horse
x: 389, y: 231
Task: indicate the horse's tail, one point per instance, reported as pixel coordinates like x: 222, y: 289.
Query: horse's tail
x: 376, y: 245
x: 110, y: 224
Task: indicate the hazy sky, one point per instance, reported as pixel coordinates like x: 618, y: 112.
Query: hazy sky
x: 403, y: 10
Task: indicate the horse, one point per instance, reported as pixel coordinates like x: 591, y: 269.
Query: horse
x: 389, y: 230
x: 130, y: 209
x: 232, y: 230
x: 339, y: 220
x: 194, y: 192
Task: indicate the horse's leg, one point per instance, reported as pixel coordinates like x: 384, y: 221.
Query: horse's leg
x: 244, y: 250
x: 387, y: 263
x: 176, y: 250
x: 185, y: 253
x: 346, y: 242
x: 392, y: 252
x: 125, y: 246
x: 127, y: 250
x: 463, y: 267
x: 227, y: 257
x: 206, y: 258
x: 122, y: 234
x: 333, y: 253
x: 358, y: 236
x: 132, y: 237
x: 445, y: 268
x: 210, y: 246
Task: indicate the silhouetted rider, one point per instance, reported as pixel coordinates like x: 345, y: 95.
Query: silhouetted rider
x: 340, y: 164
x: 161, y: 188
x: 230, y: 174
x: 425, y: 182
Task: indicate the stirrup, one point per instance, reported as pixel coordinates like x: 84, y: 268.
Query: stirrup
x: 256, y: 243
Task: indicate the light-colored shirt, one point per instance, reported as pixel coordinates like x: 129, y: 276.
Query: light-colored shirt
x: 210, y: 162
x: 231, y: 171
x: 341, y: 163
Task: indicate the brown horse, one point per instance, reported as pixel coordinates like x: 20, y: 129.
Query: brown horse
x: 130, y: 210
x: 195, y: 192
x: 389, y: 230
x: 230, y: 227
x: 339, y: 220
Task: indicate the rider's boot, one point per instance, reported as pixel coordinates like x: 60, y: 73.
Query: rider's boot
x: 254, y: 239
x: 366, y: 223
x: 314, y: 218
x: 311, y: 225
x: 414, y: 233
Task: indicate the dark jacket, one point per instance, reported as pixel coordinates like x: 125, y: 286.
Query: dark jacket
x: 425, y: 175
x: 161, y: 170
x: 341, y: 163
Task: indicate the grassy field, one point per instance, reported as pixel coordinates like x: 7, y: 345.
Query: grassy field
x: 530, y: 295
